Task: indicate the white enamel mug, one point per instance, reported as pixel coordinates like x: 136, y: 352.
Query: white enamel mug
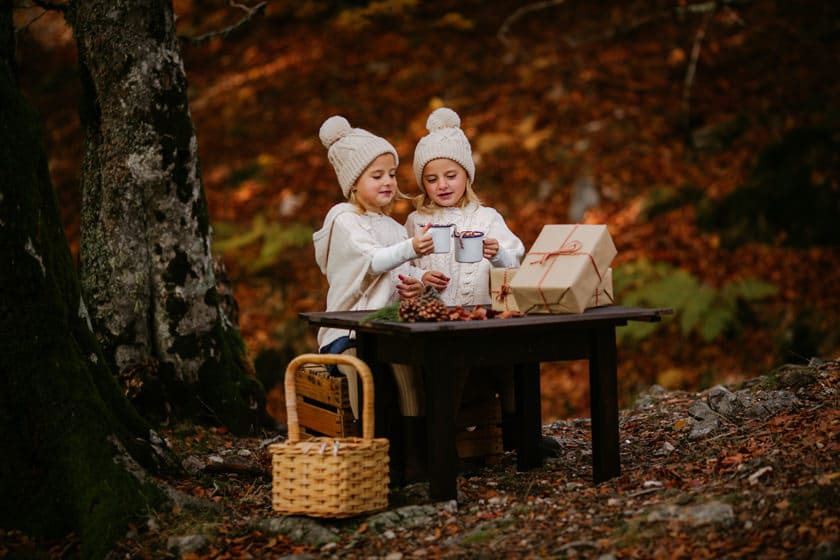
x: 469, y: 246
x: 442, y: 236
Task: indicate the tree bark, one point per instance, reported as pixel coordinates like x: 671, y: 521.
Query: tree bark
x: 146, y: 264
x: 71, y: 441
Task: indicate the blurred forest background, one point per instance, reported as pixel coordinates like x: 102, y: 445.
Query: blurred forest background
x: 704, y: 134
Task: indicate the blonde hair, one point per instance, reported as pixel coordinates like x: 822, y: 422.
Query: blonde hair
x: 387, y: 209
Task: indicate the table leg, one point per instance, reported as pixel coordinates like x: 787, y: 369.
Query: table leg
x: 603, y: 381
x: 526, y: 378
x: 385, y: 410
x: 438, y: 376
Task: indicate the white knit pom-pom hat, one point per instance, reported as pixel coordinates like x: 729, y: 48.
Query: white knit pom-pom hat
x: 350, y: 150
x: 444, y: 140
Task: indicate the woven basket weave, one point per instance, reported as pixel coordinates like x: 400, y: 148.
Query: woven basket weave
x: 324, y: 476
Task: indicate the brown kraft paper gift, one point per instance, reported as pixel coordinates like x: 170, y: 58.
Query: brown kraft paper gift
x: 502, y: 298
x: 563, y: 268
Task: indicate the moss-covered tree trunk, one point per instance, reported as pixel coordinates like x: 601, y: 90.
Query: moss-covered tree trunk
x: 70, y: 440
x: 146, y: 265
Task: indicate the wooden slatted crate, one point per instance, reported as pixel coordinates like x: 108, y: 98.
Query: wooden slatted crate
x: 479, y: 429
x: 323, y: 403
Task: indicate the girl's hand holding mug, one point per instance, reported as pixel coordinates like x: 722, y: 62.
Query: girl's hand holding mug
x: 422, y: 242
x: 491, y: 247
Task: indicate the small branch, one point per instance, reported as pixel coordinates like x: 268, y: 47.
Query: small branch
x: 234, y: 468
x: 528, y: 490
x: 722, y: 417
x: 502, y: 33
x: 643, y: 492
x: 210, y: 410
x: 250, y: 13
x: 24, y: 28
x: 722, y: 435
x: 692, y: 68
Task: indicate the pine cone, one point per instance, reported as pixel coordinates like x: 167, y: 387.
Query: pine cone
x: 408, y: 309
x: 434, y: 310
x: 426, y: 307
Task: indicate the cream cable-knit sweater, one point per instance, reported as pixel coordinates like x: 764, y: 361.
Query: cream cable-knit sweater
x: 469, y: 283
x: 367, y: 251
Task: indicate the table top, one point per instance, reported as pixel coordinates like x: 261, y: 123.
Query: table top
x: 596, y: 316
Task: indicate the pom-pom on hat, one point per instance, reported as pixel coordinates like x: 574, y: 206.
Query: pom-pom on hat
x: 444, y: 140
x: 350, y: 150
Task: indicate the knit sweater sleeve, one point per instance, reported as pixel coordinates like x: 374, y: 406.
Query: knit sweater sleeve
x: 511, y: 248
x: 387, y: 258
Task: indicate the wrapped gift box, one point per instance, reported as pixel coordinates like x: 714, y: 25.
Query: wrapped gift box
x: 503, y: 300
x: 563, y: 268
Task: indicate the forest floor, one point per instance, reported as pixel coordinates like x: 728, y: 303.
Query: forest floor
x: 748, y: 471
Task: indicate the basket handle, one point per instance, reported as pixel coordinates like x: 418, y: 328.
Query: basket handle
x: 291, y: 396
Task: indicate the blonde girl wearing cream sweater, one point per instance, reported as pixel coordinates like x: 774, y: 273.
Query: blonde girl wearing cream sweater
x: 364, y: 253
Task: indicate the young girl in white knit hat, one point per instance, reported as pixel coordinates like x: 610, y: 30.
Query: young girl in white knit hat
x: 363, y: 252
x: 445, y: 171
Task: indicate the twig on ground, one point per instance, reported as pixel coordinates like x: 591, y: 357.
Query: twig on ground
x: 721, y: 416
x: 643, y: 492
x: 236, y: 468
x: 528, y: 490
x: 725, y: 434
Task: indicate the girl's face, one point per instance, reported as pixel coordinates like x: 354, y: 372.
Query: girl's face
x: 377, y: 185
x: 444, y: 181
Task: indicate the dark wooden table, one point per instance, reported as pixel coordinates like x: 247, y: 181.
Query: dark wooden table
x: 440, y: 349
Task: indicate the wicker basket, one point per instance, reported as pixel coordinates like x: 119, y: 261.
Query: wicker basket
x: 325, y: 476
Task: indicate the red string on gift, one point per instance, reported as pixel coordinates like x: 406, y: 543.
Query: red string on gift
x: 566, y: 248
x: 572, y: 249
x: 504, y: 291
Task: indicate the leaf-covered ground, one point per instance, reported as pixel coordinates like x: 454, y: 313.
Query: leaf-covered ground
x: 748, y: 471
